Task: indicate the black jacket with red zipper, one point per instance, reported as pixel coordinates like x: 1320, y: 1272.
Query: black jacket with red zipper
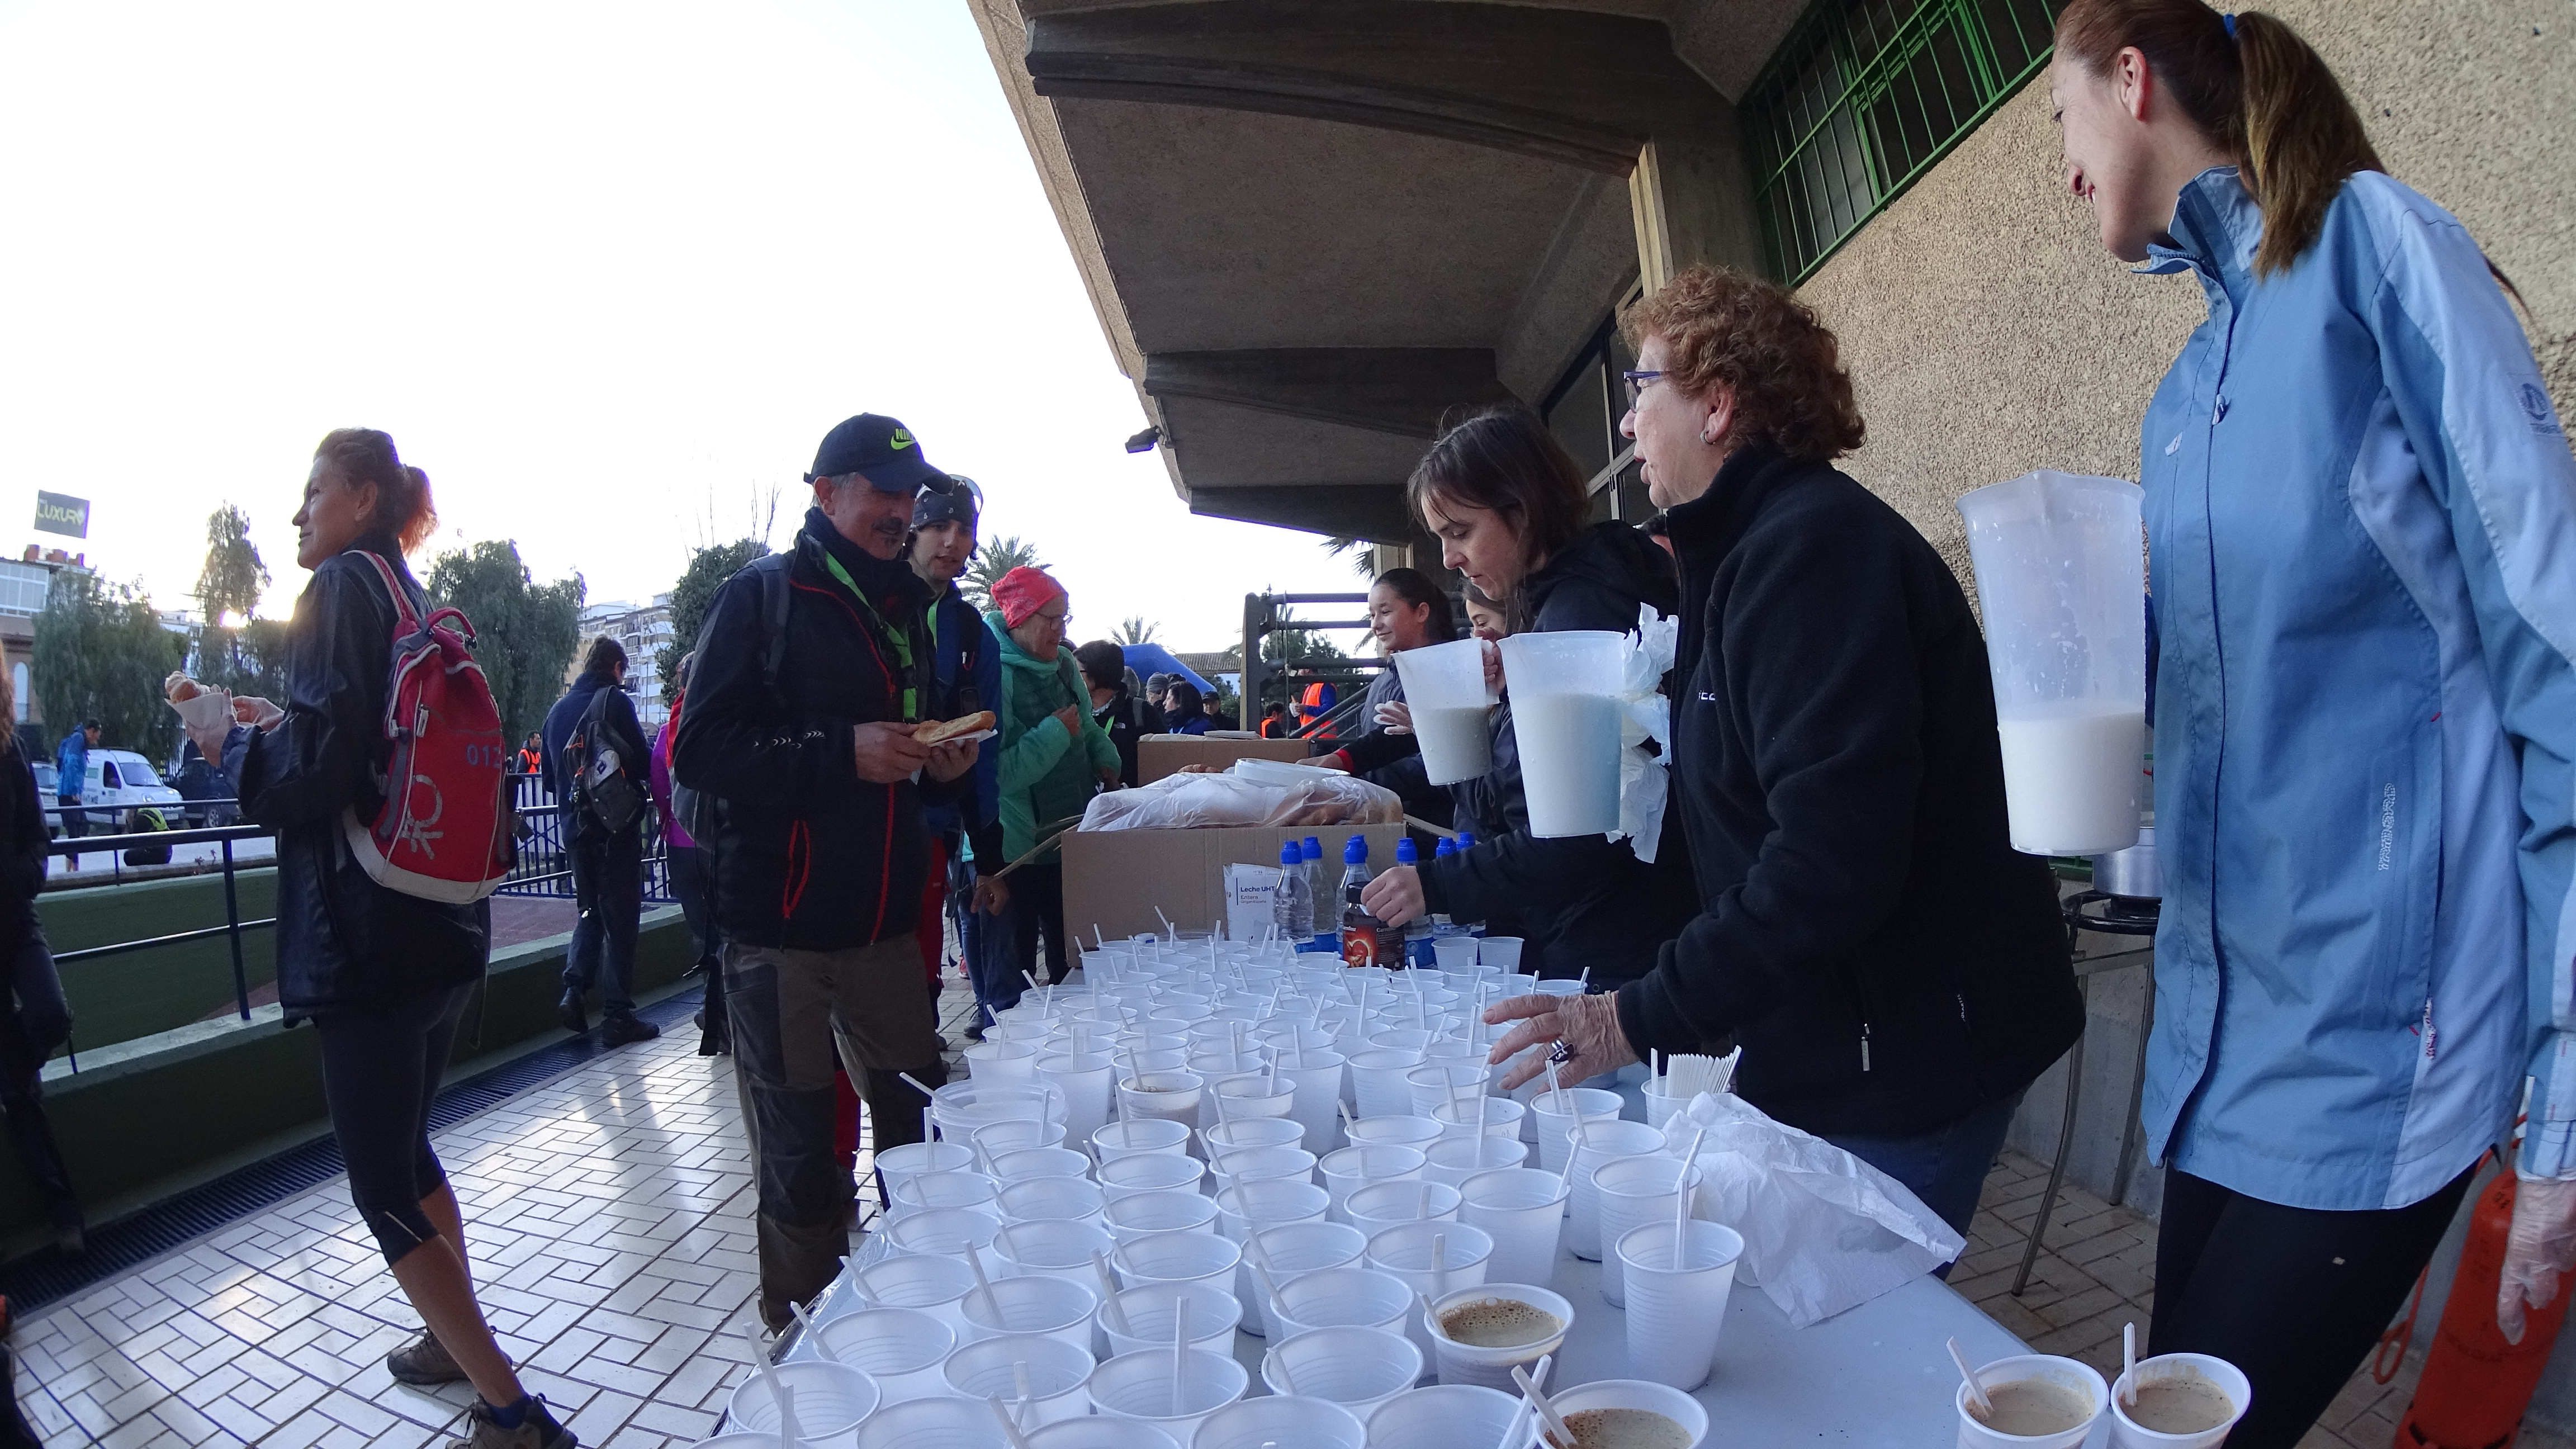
x: 808, y: 855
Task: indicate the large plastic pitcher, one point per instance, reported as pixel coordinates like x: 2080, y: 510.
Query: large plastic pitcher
x: 1565, y: 718
x: 1444, y: 687
x: 2061, y: 572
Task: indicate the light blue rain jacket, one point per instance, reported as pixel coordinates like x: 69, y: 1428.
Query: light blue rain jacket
x: 2361, y: 517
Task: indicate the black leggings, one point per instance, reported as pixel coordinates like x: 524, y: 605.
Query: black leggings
x: 380, y: 1070
x: 2295, y: 1297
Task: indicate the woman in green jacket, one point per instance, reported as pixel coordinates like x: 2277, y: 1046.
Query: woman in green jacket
x: 1055, y: 757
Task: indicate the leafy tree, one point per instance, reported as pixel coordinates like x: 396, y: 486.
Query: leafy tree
x: 252, y: 660
x: 708, y: 568
x: 101, y: 652
x: 229, y: 585
x: 993, y: 559
x: 1298, y: 646
x: 525, y: 631
x: 1133, y: 630
x: 1358, y: 548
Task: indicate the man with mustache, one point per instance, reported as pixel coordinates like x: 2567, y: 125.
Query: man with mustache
x: 813, y: 669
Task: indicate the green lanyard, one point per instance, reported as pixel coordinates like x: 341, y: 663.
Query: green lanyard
x: 901, y: 641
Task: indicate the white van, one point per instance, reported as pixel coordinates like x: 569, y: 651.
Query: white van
x: 119, y: 781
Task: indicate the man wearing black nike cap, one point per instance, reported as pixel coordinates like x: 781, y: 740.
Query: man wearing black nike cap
x: 812, y: 667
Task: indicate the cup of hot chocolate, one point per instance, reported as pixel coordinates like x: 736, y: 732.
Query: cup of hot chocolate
x: 2184, y: 1401
x: 2037, y: 1401
x: 1479, y: 1334
x: 1627, y: 1414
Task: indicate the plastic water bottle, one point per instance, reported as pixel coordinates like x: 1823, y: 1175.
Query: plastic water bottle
x: 1467, y: 842
x: 1440, y: 922
x: 1417, y: 932
x: 1327, y: 937
x: 1293, y: 908
x: 1364, y: 940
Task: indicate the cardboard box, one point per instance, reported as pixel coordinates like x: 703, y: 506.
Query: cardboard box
x: 1114, y: 879
x: 1160, y: 755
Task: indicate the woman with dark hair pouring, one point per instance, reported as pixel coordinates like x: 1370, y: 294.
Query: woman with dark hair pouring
x: 2361, y: 528
x: 1895, y: 974
x: 383, y: 976
x: 1406, y: 610
x: 1508, y: 504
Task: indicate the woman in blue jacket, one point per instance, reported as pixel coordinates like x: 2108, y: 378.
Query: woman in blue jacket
x: 2361, y: 519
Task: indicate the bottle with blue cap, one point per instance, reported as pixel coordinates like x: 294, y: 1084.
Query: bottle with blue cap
x: 1467, y: 842
x: 1417, y: 932
x: 1292, y: 909
x: 1364, y: 937
x: 1441, y: 925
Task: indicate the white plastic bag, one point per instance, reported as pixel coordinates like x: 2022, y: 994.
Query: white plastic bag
x: 1211, y: 801
x: 1823, y: 1230
x: 1646, y: 715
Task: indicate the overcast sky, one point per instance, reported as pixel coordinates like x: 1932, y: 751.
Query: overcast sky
x: 606, y: 272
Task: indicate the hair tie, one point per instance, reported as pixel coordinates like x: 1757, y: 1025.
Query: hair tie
x: 2230, y: 19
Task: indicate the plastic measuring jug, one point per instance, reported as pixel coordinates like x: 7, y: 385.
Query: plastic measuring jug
x: 2061, y: 573
x: 1444, y: 687
x: 1565, y: 718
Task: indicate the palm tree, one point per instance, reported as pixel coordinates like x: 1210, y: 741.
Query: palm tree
x: 991, y: 561
x: 1359, y: 548
x: 1133, y: 630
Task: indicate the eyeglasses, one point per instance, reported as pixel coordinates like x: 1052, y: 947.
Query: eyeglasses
x: 958, y: 485
x: 1638, y: 380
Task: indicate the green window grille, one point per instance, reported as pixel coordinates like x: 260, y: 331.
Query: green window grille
x: 1864, y: 96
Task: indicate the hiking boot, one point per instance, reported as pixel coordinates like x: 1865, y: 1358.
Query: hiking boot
x: 622, y: 1028
x: 423, y: 1362
x: 537, y: 1431
x: 569, y: 1015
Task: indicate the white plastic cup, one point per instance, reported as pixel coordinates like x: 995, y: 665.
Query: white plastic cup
x: 1523, y: 1210
x: 1654, y: 1398
x: 831, y: 1399
x: 1055, y: 1249
x: 2226, y: 1377
x: 1177, y: 1258
x: 1028, y: 1163
x: 1634, y: 1192
x: 1493, y: 1116
x: 900, y: 1348
x: 943, y: 1231
x: 1059, y: 1375
x: 1565, y: 719
x: 1284, y: 1420
x: 1453, y: 1160
x: 994, y: 1140
x: 1255, y: 1205
x: 1140, y: 1386
x: 1597, y: 1144
x: 1377, y: 1080
x: 1404, y: 1131
x: 1261, y: 1164
x: 1095, y: 1432
x: 912, y: 1159
x: 1317, y: 1076
x: 1153, y: 1134
x: 928, y: 1190
x: 941, y: 1422
x: 2075, y: 1377
x: 1379, y: 1206
x: 1252, y: 1132
x: 1140, y: 1213
x: 1254, y: 1094
x: 1404, y: 1251
x: 1442, y: 1416
x: 1454, y: 953
x: 1660, y: 1105
x: 1292, y: 1249
x: 1046, y: 1306
x: 1085, y: 1078
x: 1149, y: 1311
x: 1170, y: 1096
x: 1490, y: 1366
x: 1503, y: 953
x: 1149, y: 1172
x: 1051, y: 1199
x: 1443, y: 1083
x: 1002, y: 1061
x: 927, y: 1282
x: 1357, y: 1368
x: 1352, y: 1168
x: 1340, y: 1298
x: 1676, y: 1310
x: 1444, y: 687
x: 1554, y: 1114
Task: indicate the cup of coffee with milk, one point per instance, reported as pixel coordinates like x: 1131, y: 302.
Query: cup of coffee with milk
x: 2178, y: 1401
x: 2033, y: 1401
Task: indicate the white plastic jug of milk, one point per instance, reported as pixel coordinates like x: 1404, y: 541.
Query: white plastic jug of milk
x: 1444, y: 687
x: 1565, y: 718
x: 2061, y: 574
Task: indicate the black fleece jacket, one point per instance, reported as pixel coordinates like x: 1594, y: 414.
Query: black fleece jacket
x: 1866, y: 931
x: 1582, y: 901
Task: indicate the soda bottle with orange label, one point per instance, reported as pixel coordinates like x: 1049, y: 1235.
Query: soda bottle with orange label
x: 1363, y: 935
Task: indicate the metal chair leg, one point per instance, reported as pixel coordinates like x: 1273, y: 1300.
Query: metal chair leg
x: 2065, y: 1142
x: 2137, y: 1094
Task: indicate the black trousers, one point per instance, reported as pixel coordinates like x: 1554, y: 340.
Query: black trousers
x: 37, y: 1022
x: 381, y: 1066
x: 2296, y: 1297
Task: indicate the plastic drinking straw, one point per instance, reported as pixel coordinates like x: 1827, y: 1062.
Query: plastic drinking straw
x: 1180, y: 1349
x: 1020, y: 1386
x: 1422, y: 1199
x: 1010, y: 1429
x: 1439, y: 1267
x: 1168, y: 933
x: 1279, y: 1361
x: 1116, y: 1315
x: 1976, y: 1391
x: 2128, y: 1362
x: 1547, y: 1415
x: 915, y: 1083
x: 778, y: 1392
x: 984, y: 1285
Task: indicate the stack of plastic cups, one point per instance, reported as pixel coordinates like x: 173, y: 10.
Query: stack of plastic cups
x: 1353, y: 1168
x: 1594, y: 1144
x: 900, y: 1348
x: 1086, y: 1080
x: 1633, y: 1192
x: 1142, y: 1386
x: 1059, y: 1375
x: 1444, y: 1416
x: 1523, y: 1210
x: 1676, y: 1306
x: 1554, y: 1113
x: 1357, y: 1368
x: 1288, y: 1252
x: 1405, y: 1252
x: 1283, y: 1420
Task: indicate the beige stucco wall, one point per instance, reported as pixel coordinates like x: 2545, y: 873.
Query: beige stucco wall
x: 1989, y: 334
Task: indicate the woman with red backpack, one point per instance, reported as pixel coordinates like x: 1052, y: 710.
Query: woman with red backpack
x: 383, y: 975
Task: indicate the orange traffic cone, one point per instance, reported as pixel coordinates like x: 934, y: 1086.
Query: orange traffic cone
x: 2476, y: 1385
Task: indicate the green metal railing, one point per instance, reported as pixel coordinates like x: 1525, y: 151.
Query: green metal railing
x: 1863, y: 98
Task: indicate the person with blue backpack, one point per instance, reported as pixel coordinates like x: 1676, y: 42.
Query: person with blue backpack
x: 599, y: 768
x: 382, y: 971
